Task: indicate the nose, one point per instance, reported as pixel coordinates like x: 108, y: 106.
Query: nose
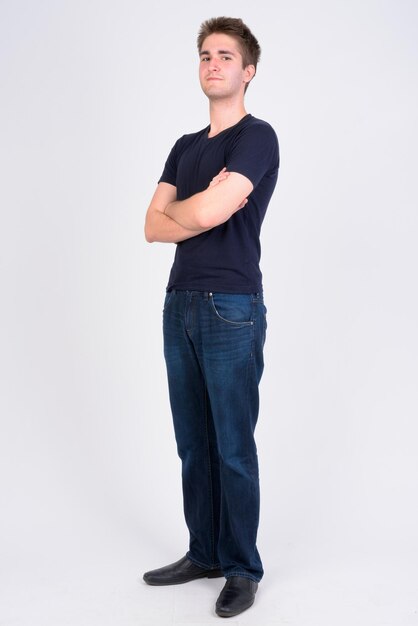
x: 214, y: 65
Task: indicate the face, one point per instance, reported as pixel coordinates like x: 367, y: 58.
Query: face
x: 221, y: 73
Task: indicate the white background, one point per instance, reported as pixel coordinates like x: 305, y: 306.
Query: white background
x: 93, y: 94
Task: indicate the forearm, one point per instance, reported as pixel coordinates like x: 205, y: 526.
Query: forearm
x: 213, y: 206
x: 171, y: 221
x: 186, y: 212
x: 162, y: 228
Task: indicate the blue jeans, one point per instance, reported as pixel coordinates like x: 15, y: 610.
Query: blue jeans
x: 213, y: 347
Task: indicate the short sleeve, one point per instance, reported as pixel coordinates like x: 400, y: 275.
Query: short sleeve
x: 169, y: 174
x: 254, y: 153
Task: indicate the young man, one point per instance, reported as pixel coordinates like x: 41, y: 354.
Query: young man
x: 211, y: 200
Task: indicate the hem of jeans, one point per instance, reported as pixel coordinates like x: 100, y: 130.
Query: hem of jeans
x: 256, y: 579
x: 202, y: 565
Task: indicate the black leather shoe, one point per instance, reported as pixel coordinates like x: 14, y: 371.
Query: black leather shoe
x: 181, y: 571
x: 237, y: 595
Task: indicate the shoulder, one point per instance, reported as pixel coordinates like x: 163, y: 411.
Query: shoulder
x: 257, y: 128
x: 256, y: 137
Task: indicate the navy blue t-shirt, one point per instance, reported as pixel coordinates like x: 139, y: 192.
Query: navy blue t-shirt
x: 226, y: 258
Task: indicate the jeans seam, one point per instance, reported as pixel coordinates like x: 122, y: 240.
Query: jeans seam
x: 212, y: 531
x: 254, y: 321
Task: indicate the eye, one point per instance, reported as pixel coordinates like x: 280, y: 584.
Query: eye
x: 204, y: 59
x: 226, y: 58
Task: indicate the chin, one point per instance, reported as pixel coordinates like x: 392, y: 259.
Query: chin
x: 213, y: 89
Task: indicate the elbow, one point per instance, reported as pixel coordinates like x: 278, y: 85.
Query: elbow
x: 204, y: 220
x: 210, y: 214
x: 201, y: 213
x: 149, y: 235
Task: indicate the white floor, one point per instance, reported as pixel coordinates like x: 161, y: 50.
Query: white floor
x: 96, y: 580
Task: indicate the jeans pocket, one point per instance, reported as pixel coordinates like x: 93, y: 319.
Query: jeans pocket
x: 233, y: 308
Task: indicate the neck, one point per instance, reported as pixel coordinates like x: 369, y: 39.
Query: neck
x: 224, y: 114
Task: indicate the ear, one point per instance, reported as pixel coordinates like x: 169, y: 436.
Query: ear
x: 249, y: 73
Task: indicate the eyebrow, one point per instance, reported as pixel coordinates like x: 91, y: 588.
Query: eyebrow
x: 219, y: 52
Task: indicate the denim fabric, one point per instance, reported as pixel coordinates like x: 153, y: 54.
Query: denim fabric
x: 213, y: 347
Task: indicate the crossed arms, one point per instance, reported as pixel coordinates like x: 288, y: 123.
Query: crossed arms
x: 169, y: 220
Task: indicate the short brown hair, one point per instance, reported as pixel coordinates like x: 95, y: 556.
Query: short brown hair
x: 234, y: 27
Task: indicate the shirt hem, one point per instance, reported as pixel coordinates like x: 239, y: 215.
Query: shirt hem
x: 215, y: 288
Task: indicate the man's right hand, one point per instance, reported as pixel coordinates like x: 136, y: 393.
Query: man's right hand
x: 223, y: 175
